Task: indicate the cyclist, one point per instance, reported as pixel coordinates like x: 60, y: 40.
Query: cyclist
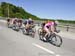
x: 8, y: 22
x: 42, y: 25
x: 31, y: 22
x: 19, y: 22
x: 14, y: 22
x: 49, y: 27
x: 28, y: 23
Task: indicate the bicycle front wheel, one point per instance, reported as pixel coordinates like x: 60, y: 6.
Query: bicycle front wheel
x: 56, y: 40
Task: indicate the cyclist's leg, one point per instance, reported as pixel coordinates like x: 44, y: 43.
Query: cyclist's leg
x: 47, y: 32
x: 52, y: 29
x: 20, y: 24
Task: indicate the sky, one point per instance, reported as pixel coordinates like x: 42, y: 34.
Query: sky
x: 51, y: 9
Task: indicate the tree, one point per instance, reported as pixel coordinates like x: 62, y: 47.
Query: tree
x: 15, y: 11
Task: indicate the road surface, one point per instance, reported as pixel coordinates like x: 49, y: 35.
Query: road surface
x: 14, y: 43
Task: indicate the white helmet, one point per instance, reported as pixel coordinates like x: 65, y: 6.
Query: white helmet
x: 30, y: 19
x: 56, y: 22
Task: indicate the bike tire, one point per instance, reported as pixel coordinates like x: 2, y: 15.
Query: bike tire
x: 24, y: 31
x: 39, y: 31
x: 56, y: 40
x: 41, y: 36
x: 33, y: 32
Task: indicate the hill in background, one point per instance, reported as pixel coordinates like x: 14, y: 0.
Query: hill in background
x: 10, y: 10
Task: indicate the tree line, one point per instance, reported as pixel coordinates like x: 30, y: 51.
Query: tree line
x: 12, y: 11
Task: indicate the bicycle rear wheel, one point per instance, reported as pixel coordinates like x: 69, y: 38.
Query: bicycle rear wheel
x: 56, y: 40
x: 33, y: 32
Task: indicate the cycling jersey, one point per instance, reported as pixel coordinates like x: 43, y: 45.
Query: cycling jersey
x: 8, y: 20
x: 47, y: 25
x: 19, y: 21
x: 28, y: 21
x: 14, y: 21
x: 43, y: 24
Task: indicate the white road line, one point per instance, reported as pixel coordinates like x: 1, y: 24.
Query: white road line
x: 43, y: 48
x: 49, y: 51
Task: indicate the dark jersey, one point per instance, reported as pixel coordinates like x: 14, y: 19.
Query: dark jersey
x: 8, y: 20
x: 19, y: 21
x: 28, y: 21
x: 43, y: 24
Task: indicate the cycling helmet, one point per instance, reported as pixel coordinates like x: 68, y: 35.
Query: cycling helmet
x: 30, y: 19
x: 56, y: 22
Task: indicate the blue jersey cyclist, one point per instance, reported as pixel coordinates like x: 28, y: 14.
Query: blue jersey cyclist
x: 28, y: 23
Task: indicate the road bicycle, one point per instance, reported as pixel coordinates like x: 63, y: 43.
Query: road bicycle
x: 51, y: 38
x: 30, y: 31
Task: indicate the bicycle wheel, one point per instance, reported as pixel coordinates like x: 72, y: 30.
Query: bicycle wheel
x: 33, y: 32
x: 39, y: 31
x: 24, y: 31
x: 56, y: 40
x: 8, y: 24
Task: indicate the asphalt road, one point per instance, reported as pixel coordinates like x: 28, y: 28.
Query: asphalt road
x: 14, y: 43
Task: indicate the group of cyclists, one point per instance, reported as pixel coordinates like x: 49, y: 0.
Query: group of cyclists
x: 47, y: 26
x: 20, y: 22
x: 14, y: 21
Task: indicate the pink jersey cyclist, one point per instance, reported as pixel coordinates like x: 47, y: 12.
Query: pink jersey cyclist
x: 48, y: 25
